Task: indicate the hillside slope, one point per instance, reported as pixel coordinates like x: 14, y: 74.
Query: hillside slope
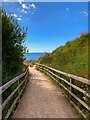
x: 71, y: 57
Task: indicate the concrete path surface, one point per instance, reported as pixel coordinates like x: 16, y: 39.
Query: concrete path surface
x: 43, y: 100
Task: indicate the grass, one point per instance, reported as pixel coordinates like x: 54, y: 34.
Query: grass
x: 71, y: 57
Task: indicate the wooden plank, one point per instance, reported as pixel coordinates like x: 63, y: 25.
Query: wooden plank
x: 10, y: 110
x: 10, y: 96
x: 81, y: 112
x: 71, y: 88
x: 80, y: 101
x: 84, y: 80
x: 8, y: 84
x: 84, y: 116
x: 72, y: 76
x: 12, y: 106
x: 80, y: 90
x: 74, y: 86
x: 19, y: 88
x: 26, y: 79
x: 40, y: 69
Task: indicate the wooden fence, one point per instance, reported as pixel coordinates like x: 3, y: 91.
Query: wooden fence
x: 76, y: 89
x: 18, y: 85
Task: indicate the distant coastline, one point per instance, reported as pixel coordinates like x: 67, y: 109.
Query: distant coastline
x: 33, y: 55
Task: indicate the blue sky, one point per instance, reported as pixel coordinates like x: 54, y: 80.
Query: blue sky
x: 50, y: 24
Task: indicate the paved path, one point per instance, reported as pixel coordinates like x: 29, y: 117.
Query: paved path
x: 43, y: 100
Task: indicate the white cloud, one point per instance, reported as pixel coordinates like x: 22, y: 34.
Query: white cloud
x: 33, y: 5
x: 14, y: 15
x: 67, y: 9
x: 84, y: 13
x: 24, y: 11
x: 20, y: 1
x: 5, y: 1
x: 25, y: 7
x: 18, y: 18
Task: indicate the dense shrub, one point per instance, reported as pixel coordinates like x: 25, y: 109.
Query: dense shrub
x: 13, y: 37
x: 71, y: 58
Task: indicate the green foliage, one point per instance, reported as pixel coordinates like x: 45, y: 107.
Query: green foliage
x: 46, y: 59
x: 12, y: 46
x: 71, y: 58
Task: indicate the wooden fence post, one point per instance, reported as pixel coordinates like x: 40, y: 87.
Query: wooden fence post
x: 19, y: 90
x: 60, y: 79
x: 26, y: 77
x: 71, y: 88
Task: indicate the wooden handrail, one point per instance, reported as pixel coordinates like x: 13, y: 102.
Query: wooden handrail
x: 56, y: 74
x: 84, y: 80
x: 9, y: 84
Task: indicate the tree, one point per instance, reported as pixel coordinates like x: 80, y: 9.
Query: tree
x: 13, y: 37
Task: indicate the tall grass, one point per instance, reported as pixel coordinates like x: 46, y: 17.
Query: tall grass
x: 71, y: 57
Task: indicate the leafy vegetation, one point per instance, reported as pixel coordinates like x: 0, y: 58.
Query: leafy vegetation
x: 12, y: 47
x: 71, y: 57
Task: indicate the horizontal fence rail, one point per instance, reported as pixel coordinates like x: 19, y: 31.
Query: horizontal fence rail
x: 21, y: 82
x: 77, y: 88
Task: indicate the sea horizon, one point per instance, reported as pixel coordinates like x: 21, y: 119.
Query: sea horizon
x: 34, y: 52
x: 33, y: 55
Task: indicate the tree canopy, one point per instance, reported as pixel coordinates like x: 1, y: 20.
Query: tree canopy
x: 13, y: 49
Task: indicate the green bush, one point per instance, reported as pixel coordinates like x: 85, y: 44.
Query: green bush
x: 13, y: 50
x: 71, y: 58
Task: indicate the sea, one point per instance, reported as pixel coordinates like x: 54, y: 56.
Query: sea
x: 33, y: 56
